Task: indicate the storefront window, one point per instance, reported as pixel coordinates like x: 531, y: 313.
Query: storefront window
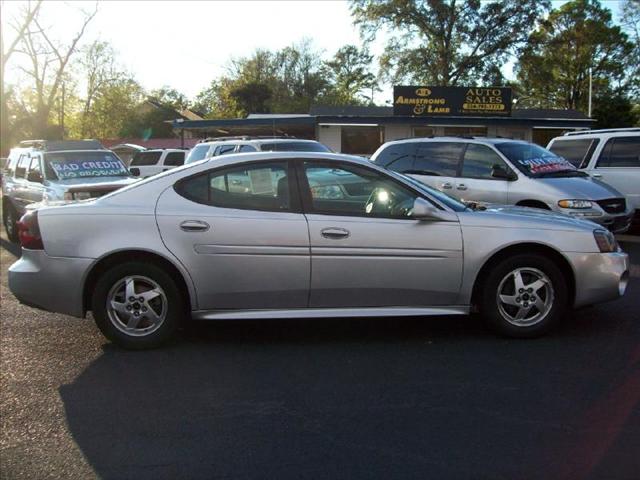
x: 542, y: 136
x: 423, y: 131
x: 361, y: 140
x: 465, y: 131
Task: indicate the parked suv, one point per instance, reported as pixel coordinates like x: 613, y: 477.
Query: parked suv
x: 151, y: 162
x: 612, y: 156
x: 44, y: 171
x: 504, y: 171
x: 213, y: 147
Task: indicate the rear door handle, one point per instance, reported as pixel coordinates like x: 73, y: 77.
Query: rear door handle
x: 194, y: 226
x: 462, y: 186
x: 597, y: 175
x: 447, y: 186
x: 334, y: 233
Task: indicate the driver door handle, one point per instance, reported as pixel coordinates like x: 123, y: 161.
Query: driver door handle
x: 194, y: 226
x: 335, y: 233
x: 447, y: 186
x: 462, y: 186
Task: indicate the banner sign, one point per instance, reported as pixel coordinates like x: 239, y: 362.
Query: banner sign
x: 451, y: 101
x: 78, y: 169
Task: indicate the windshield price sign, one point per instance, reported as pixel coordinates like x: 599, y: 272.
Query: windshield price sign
x: 471, y: 101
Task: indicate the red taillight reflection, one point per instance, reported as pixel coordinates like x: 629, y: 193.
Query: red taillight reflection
x: 29, y: 231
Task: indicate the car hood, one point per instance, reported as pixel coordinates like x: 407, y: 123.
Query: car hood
x: 94, y: 183
x: 508, y: 216
x: 581, y: 188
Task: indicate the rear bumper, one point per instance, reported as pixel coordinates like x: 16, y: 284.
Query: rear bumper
x: 599, y: 276
x: 50, y: 283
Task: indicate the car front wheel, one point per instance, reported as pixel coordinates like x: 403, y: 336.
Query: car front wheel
x: 137, y: 305
x: 524, y: 296
x: 10, y: 220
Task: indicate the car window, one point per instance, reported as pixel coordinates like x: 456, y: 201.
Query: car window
x: 293, y: 147
x: 535, y: 161
x: 438, y: 158
x: 479, y: 161
x: 174, y: 159
x: 263, y: 186
x: 247, y: 148
x: 79, y: 164
x: 397, y: 157
x: 197, y: 153
x: 576, y: 151
x: 225, y: 149
x: 142, y: 159
x: 23, y: 164
x: 35, y: 165
x: 355, y: 191
x: 12, y: 162
x: 621, y: 152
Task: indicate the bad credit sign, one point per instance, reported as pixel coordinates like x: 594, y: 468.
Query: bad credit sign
x: 452, y: 101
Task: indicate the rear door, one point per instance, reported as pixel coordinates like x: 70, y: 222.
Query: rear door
x: 619, y: 166
x: 146, y: 163
x: 172, y: 160
x: 20, y: 185
x: 437, y: 164
x: 240, y: 233
x: 34, y: 189
x: 476, y: 182
x: 366, y: 250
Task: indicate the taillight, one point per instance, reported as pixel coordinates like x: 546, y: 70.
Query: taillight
x: 29, y: 231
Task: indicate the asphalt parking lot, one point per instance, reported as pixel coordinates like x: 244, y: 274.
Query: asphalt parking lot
x: 384, y: 398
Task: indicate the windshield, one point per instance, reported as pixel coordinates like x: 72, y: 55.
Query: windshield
x: 450, y: 202
x: 197, y: 153
x: 65, y: 165
x: 294, y: 147
x: 535, y: 161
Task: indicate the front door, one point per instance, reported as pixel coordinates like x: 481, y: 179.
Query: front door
x: 239, y: 232
x: 366, y: 250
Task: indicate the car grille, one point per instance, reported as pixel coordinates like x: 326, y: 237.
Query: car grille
x: 613, y: 205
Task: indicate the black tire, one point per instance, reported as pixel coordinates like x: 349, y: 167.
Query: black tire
x: 10, y: 221
x: 175, y: 305
x: 491, y: 310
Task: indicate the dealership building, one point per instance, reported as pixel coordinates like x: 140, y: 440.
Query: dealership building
x: 444, y: 111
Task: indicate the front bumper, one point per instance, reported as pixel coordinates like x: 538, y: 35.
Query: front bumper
x: 599, y: 276
x: 54, y: 284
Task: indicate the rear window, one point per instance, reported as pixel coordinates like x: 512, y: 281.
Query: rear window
x: 174, y: 159
x: 397, y: 157
x: 438, y: 158
x: 197, y: 153
x: 65, y: 165
x: 577, y: 151
x: 294, y: 147
x: 621, y: 152
x: 142, y: 159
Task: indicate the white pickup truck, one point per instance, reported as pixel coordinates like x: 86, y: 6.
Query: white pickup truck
x: 151, y: 162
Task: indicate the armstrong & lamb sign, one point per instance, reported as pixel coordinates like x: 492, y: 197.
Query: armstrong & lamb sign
x: 473, y: 101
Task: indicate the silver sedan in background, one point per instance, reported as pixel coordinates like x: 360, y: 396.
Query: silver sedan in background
x: 303, y: 234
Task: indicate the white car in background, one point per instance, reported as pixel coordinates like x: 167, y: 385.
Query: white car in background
x: 151, y: 162
x: 612, y: 156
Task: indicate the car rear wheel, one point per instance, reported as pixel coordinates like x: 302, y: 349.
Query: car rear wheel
x: 10, y: 220
x: 524, y: 296
x: 137, y: 305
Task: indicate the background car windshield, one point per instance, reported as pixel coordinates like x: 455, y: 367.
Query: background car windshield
x: 65, y: 165
x: 534, y: 161
x: 197, y: 153
x: 294, y: 147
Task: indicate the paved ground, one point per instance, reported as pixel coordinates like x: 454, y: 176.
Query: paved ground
x: 411, y: 398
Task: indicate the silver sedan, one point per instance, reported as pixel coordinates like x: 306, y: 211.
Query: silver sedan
x: 274, y: 235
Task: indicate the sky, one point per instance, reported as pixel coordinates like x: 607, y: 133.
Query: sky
x: 187, y: 44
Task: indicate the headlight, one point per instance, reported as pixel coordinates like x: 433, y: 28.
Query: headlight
x: 575, y: 204
x: 605, y: 240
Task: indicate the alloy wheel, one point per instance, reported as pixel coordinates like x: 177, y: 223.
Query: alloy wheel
x: 525, y: 297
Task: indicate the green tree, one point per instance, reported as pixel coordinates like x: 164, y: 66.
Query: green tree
x: 554, y: 66
x: 350, y: 75
x: 169, y: 97
x: 615, y: 111
x: 446, y: 42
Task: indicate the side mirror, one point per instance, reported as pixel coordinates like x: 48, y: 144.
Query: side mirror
x: 499, y: 172
x: 35, y: 176
x: 135, y: 172
x: 424, y: 210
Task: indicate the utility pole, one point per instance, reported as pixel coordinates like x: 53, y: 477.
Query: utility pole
x: 590, y: 88
x: 62, y: 114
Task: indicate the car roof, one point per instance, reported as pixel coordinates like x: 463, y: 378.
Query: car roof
x: 491, y: 140
x: 231, y: 140
x: 234, y: 158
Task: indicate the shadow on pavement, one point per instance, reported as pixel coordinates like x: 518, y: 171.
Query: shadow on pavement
x: 13, y: 248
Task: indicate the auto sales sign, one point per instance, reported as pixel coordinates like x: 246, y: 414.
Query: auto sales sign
x: 451, y: 101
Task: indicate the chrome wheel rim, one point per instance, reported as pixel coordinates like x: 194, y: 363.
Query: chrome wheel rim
x: 137, y: 305
x: 525, y: 297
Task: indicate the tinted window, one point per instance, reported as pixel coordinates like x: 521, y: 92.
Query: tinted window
x: 357, y: 191
x: 23, y: 164
x: 438, y: 158
x: 293, y: 147
x: 263, y: 186
x: 398, y: 157
x: 479, y: 161
x: 361, y: 140
x: 197, y: 153
x: 173, y: 159
x: 224, y: 149
x: 577, y: 151
x: 621, y: 152
x: 247, y: 148
x: 142, y: 159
